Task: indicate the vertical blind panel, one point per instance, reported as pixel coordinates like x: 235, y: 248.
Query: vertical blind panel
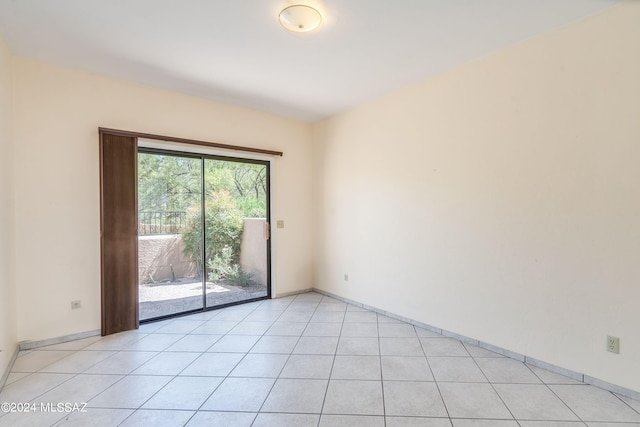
x: 119, y: 234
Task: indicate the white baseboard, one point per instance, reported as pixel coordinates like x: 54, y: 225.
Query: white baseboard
x: 30, y: 345
x: 288, y: 294
x: 3, y: 380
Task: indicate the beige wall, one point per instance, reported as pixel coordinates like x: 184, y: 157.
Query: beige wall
x: 500, y: 200
x: 8, y: 338
x: 161, y: 257
x: 253, y: 251
x: 57, y: 115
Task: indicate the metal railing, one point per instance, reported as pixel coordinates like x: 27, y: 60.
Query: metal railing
x: 161, y: 222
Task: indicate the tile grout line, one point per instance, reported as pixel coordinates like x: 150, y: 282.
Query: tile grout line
x: 426, y: 358
x: 384, y: 409
x: 186, y: 367
x: 286, y: 361
x: 555, y: 394
x: 241, y: 359
x: 174, y: 376
x: 333, y: 363
x: 158, y: 353
x: 625, y: 403
x: 492, y: 386
x: 75, y: 375
x: 227, y: 376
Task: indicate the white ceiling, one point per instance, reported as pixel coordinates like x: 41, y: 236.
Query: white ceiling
x: 235, y: 51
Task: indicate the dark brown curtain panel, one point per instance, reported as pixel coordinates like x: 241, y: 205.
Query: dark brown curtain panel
x: 118, y: 233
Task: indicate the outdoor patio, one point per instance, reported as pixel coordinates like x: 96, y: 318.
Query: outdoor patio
x: 159, y: 299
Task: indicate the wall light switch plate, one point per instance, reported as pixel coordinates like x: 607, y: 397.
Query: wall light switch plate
x: 76, y: 304
x: 280, y: 223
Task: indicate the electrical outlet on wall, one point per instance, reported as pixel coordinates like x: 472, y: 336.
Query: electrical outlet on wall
x: 346, y: 277
x: 613, y: 344
x: 76, y: 304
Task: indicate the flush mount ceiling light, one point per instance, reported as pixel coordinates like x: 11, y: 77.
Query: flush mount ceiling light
x: 300, y: 18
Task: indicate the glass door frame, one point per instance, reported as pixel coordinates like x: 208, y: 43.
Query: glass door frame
x: 236, y: 159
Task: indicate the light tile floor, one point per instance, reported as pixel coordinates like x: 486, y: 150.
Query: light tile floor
x: 307, y: 360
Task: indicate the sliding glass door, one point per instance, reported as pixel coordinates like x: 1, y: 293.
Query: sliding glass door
x: 236, y: 230
x: 203, y: 232
x: 169, y: 200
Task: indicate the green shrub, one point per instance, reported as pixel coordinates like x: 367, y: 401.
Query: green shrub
x: 223, y: 230
x: 242, y: 278
x: 222, y: 267
x: 252, y: 207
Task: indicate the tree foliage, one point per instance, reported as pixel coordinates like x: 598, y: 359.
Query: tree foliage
x: 246, y: 182
x: 168, y: 183
x: 173, y: 183
x: 223, y: 229
x: 233, y: 191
